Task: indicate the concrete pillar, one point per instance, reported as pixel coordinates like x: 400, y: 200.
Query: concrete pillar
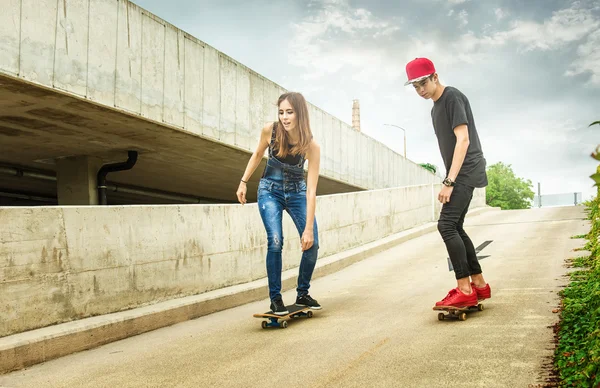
x: 77, y: 181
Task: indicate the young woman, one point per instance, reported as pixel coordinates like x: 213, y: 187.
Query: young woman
x: 284, y: 187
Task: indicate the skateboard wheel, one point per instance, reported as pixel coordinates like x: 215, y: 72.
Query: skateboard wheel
x: 441, y: 316
x: 284, y: 324
x: 263, y: 324
x: 462, y: 317
x: 309, y: 314
x: 480, y: 307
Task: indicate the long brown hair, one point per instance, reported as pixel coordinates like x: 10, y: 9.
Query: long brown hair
x: 298, y: 103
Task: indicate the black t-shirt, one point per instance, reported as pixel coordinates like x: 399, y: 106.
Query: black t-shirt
x: 449, y: 111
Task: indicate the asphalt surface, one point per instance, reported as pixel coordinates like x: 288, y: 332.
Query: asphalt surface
x: 377, y: 327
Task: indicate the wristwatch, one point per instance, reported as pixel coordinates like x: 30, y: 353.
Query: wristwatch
x: 448, y: 182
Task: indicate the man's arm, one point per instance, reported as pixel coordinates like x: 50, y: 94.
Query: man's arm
x: 460, y: 150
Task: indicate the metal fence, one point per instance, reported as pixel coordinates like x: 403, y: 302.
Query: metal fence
x: 563, y: 199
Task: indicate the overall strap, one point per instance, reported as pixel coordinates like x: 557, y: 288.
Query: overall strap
x: 272, y: 143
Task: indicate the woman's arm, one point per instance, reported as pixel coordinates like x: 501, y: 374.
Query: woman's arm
x: 314, y: 160
x: 263, y: 143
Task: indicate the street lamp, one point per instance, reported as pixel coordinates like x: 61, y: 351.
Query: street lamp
x: 403, y: 130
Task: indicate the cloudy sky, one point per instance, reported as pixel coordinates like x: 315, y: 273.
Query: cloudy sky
x: 531, y: 69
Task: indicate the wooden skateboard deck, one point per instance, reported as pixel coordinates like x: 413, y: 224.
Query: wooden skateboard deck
x: 457, y: 312
x: 293, y: 312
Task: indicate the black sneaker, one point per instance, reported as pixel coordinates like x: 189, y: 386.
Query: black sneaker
x: 307, y: 300
x: 278, y: 308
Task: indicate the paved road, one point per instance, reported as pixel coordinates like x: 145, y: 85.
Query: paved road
x: 377, y: 328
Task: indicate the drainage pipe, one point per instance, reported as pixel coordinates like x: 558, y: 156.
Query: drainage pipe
x: 127, y: 165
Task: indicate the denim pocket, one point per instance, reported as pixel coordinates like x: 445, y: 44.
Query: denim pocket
x: 302, y: 186
x: 263, y: 186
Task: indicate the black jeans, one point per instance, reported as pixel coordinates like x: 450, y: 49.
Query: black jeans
x: 450, y: 225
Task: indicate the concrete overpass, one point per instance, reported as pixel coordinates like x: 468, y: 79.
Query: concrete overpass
x: 82, y: 83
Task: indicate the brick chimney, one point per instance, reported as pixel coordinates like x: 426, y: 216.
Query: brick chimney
x: 356, y: 115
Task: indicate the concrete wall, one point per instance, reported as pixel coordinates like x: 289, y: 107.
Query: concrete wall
x: 63, y: 263
x: 478, y: 198
x: 121, y: 56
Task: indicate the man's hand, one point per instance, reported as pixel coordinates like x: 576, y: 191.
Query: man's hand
x: 445, y: 193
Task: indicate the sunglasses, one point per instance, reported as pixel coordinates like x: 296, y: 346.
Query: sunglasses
x: 420, y: 83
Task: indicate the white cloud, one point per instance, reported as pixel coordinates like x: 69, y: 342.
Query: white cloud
x: 588, y: 59
x: 337, y: 14
x: 338, y: 36
x: 452, y: 3
x: 500, y: 13
x: 467, y: 48
x: 463, y: 18
x: 565, y: 26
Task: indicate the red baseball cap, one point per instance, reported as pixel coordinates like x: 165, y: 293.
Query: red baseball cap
x: 418, y: 69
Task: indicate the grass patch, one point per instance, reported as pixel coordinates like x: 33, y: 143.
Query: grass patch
x: 582, y: 261
x: 577, y: 355
x: 578, y: 262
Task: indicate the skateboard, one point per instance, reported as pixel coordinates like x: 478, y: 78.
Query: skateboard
x: 293, y: 312
x: 457, y: 312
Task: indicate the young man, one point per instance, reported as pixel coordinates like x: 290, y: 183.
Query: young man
x: 465, y: 169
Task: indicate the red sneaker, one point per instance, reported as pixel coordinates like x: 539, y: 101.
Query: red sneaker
x: 483, y: 292
x: 456, y: 298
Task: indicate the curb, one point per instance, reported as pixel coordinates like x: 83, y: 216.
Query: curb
x: 22, y: 350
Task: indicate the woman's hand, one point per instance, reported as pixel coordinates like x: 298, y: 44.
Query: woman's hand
x: 308, y: 239
x: 241, y: 193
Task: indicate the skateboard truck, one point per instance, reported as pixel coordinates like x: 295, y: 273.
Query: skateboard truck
x: 457, y: 312
x: 279, y: 320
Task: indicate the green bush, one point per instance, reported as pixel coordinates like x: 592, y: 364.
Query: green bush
x: 577, y: 356
x: 429, y: 166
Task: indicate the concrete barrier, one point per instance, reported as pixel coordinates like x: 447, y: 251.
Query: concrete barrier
x: 59, y: 264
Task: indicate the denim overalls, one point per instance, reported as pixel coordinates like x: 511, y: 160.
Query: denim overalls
x: 283, y: 187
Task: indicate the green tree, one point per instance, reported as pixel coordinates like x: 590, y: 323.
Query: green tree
x: 506, y: 190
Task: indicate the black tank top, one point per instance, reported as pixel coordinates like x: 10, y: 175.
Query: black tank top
x: 289, y: 159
